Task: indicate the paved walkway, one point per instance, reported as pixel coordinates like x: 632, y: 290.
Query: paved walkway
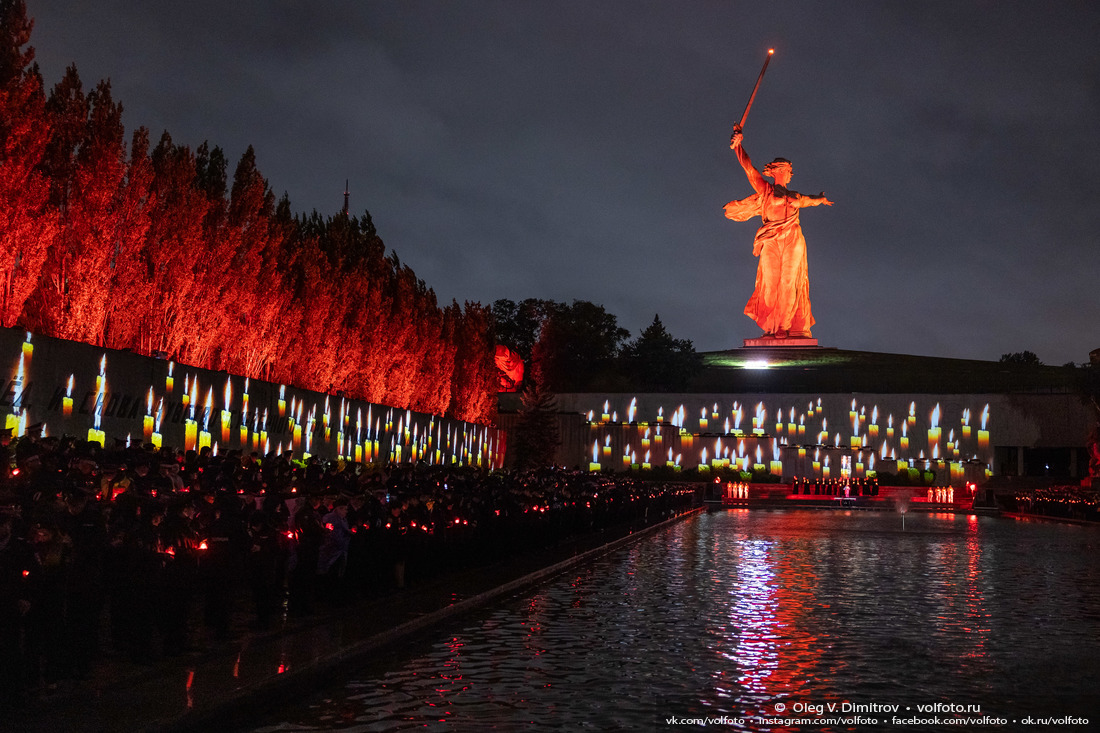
x: 224, y: 685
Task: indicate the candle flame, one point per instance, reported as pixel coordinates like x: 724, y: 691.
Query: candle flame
x: 228, y: 394
x: 985, y: 415
x: 209, y: 408
x: 936, y: 416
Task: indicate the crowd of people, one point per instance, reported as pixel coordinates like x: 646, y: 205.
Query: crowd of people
x: 142, y: 548
x: 1063, y: 502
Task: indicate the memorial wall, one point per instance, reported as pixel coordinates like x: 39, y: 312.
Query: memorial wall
x: 54, y: 387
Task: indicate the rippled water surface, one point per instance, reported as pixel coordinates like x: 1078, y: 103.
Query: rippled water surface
x: 733, y: 613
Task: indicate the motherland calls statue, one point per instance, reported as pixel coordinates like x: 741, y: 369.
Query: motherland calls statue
x: 780, y: 304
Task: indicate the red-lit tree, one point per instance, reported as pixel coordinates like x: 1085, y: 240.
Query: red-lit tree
x: 28, y: 225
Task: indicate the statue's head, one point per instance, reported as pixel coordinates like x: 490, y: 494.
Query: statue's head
x: 779, y: 169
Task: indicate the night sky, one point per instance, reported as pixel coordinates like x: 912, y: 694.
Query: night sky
x: 580, y: 150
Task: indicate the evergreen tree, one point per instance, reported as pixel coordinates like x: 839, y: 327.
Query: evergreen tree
x: 657, y: 362
x: 536, y: 438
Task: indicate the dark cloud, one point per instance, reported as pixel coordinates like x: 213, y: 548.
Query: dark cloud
x: 579, y: 150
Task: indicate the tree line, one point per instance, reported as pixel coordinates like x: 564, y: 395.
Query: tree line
x: 128, y: 244
x: 580, y: 347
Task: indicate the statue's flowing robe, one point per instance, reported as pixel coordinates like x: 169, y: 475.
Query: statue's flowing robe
x: 781, y: 300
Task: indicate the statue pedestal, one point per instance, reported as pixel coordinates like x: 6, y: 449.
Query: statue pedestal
x: 772, y: 342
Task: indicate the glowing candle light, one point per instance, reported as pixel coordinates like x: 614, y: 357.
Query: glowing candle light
x: 190, y: 425
x: 227, y: 415
x: 595, y: 464
x: 823, y: 436
x: 912, y: 413
x: 704, y: 467
x: 169, y: 381
x: 758, y: 421
x: 67, y: 400
x: 792, y: 428
x: 627, y: 460
x: 726, y: 427
x: 983, y: 434
x: 776, y: 467
x: 818, y: 408
x: 645, y: 438
x: 282, y: 401
x: 872, y: 429
x: 966, y: 423
x: 632, y: 410
x: 297, y: 435
x: 358, y: 435
x: 904, y: 436
x: 155, y: 437
x: 801, y: 425
x: 204, y: 434
x: 703, y: 419
x: 714, y: 411
x: 606, y: 416
x: 855, y: 442
x: 934, y: 432
x: 660, y: 414
x: 852, y: 412
x: 816, y: 463
x: 825, y: 468
x: 263, y: 433
x: 95, y: 435
x: 149, y: 422
x: 185, y: 398
x: 759, y: 467
x: 645, y: 462
x: 737, y: 417
x: 325, y: 421
x: 890, y: 426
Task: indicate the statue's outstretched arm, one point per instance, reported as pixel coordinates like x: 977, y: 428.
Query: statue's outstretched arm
x: 756, y: 180
x: 805, y: 200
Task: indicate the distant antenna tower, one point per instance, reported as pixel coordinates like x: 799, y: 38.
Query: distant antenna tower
x: 345, y: 198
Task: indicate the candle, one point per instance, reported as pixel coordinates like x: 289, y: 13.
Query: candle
x: 983, y: 434
x: 169, y: 381
x: 190, y: 434
x: 67, y: 400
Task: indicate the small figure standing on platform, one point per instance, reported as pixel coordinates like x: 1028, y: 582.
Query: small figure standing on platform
x: 780, y: 304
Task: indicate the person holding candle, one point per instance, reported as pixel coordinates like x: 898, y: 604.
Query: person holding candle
x: 780, y: 304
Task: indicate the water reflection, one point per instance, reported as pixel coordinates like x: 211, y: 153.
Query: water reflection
x: 731, y: 613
